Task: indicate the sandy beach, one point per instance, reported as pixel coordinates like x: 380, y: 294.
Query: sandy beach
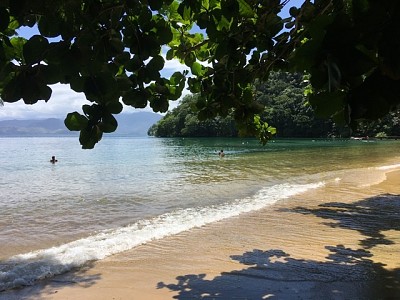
x: 341, y: 241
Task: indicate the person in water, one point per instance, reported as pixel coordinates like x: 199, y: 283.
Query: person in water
x: 221, y: 153
x: 53, y: 160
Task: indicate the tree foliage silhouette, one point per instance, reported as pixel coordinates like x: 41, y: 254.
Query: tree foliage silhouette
x: 111, y: 50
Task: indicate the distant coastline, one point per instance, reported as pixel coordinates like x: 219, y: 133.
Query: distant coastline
x: 133, y: 124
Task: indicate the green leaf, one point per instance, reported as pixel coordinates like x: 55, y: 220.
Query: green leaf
x: 318, y: 25
x: 177, y: 78
x: 31, y: 89
x: 294, y: 11
x: 45, y: 92
x: 159, y: 103
x: 77, y: 84
x: 134, y: 64
x: 185, y: 11
x: 123, y: 58
x: 14, y: 24
x: 89, y: 136
x: 190, y: 58
x: 150, y: 46
x: 245, y: 9
x: 51, y: 74
x: 4, y: 19
x: 116, y: 45
x: 306, y: 56
x: 170, y: 54
x: 49, y: 26
x: 155, y: 4
x: 247, y: 96
x: 156, y: 63
x: 75, y: 121
x: 12, y: 91
x: 108, y: 123
x: 272, y: 130
x: 159, y: 88
x: 194, y: 85
x: 224, y: 23
x: 229, y: 8
x: 34, y: 49
x: 87, y: 109
x: 197, y: 69
x: 124, y: 83
x: 163, y: 31
x: 135, y: 98
x: 97, y: 88
x: 114, y: 107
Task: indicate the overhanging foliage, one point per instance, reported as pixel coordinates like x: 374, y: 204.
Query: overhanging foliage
x: 110, y: 50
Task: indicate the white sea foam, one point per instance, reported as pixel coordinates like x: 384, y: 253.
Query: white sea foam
x: 25, y: 269
x: 390, y: 167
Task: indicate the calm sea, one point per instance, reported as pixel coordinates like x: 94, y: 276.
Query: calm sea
x: 129, y: 191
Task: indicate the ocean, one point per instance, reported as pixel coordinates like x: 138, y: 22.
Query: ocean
x: 129, y: 191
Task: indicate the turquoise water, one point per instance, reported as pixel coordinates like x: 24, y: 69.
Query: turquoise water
x: 129, y: 191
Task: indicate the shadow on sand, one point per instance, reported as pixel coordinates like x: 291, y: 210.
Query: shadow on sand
x: 345, y: 274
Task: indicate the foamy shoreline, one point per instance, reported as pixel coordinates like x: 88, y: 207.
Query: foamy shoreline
x: 315, y: 245
x: 28, y: 268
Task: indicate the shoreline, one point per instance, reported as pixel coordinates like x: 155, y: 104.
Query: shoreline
x: 339, y: 241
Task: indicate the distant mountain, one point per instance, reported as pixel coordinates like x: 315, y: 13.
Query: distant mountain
x: 33, y: 127
x: 134, y: 124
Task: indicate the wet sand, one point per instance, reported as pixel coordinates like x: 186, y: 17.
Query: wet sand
x: 341, y: 241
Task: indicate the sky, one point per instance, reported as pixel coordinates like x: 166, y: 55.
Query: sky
x: 64, y: 100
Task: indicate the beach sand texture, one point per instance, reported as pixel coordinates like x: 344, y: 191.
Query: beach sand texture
x: 341, y: 241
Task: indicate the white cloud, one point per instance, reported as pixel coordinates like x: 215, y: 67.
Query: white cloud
x: 63, y: 100
x: 172, y: 66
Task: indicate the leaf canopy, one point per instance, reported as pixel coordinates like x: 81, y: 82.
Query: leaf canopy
x: 112, y: 51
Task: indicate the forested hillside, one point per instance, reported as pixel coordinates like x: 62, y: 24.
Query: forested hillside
x: 286, y: 108
x: 183, y: 122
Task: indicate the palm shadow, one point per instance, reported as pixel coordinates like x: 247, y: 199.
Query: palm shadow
x: 22, y: 278
x: 345, y: 274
